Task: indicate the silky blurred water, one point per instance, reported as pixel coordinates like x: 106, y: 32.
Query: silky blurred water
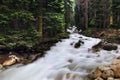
x: 63, y: 61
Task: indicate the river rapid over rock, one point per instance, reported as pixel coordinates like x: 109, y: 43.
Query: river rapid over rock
x: 64, y: 62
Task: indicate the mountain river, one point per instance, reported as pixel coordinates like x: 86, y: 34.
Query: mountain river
x: 63, y: 61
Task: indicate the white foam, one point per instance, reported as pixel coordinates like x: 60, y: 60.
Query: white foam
x: 55, y: 64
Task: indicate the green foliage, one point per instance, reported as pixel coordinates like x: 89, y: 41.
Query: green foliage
x: 3, y: 20
x: 10, y: 45
x: 116, y: 14
x: 22, y: 19
x: 25, y: 16
x: 113, y: 39
x: 53, y: 18
x: 68, y: 13
x: 92, y: 22
x: 55, y: 6
x: 2, y: 39
x: 54, y: 22
x: 32, y: 35
x: 62, y: 35
x: 88, y: 32
x: 16, y: 38
x: 4, y: 9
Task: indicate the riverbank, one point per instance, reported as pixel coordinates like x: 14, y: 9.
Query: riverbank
x: 108, y: 35
x: 26, y: 51
x: 15, y: 49
x: 72, y: 62
x: 110, y: 40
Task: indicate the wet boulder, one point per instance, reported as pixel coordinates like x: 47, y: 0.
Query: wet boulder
x: 97, y: 47
x: 117, y: 72
x: 115, y: 66
x: 1, y: 66
x: 11, y: 60
x: 116, y: 62
x: 110, y: 47
x: 107, y: 73
x: 111, y: 72
x: 98, y: 78
x: 103, y: 68
x: 104, y: 46
x: 110, y: 78
x: 97, y: 73
x: 78, y: 44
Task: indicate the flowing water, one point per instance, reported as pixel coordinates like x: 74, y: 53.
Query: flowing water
x: 63, y: 62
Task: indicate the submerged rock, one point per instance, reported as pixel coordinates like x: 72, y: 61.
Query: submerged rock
x: 68, y: 75
x: 70, y: 60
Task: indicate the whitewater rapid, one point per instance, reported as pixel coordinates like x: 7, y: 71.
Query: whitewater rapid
x: 63, y: 61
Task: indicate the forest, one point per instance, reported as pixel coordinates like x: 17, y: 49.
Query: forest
x: 28, y: 28
x: 59, y: 39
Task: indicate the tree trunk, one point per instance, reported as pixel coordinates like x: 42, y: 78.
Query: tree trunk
x: 40, y: 25
x: 86, y: 14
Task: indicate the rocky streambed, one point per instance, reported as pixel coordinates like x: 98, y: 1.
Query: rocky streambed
x: 74, y: 58
x: 111, y: 72
x: 10, y: 59
x: 25, y: 52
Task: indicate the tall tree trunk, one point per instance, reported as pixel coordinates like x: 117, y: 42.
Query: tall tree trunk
x: 111, y: 13
x: 86, y: 14
x: 40, y: 24
x: 82, y: 12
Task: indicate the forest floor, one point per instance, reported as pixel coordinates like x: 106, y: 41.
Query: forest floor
x: 109, y: 35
